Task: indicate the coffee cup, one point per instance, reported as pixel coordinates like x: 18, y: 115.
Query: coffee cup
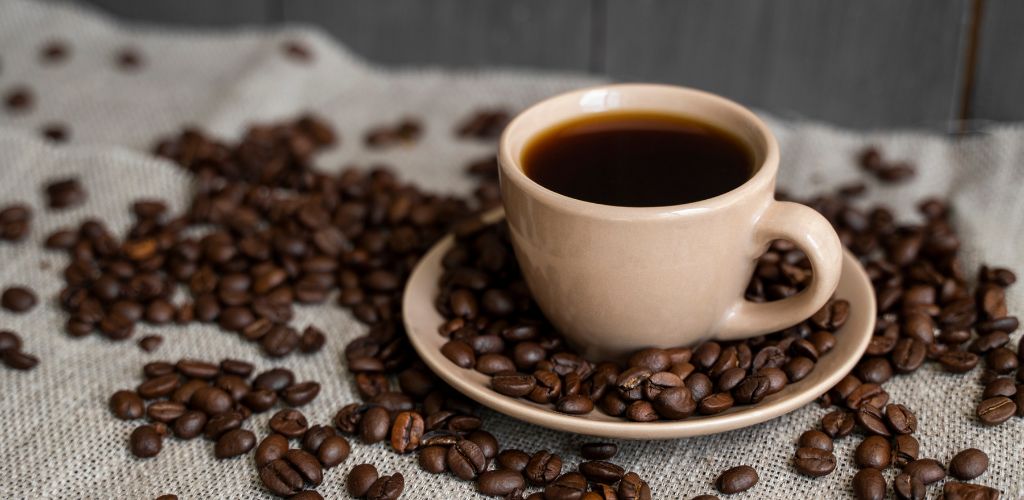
x: 615, y: 279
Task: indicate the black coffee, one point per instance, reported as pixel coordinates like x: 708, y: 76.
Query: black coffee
x: 638, y: 159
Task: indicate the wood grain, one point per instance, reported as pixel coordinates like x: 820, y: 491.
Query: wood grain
x: 865, y: 64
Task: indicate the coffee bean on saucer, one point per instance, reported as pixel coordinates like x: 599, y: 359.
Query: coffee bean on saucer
x: 736, y: 479
x: 968, y: 464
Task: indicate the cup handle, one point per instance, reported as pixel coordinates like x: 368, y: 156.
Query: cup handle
x: 813, y: 234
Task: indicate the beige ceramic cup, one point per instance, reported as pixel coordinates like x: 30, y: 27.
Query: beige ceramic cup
x: 616, y: 279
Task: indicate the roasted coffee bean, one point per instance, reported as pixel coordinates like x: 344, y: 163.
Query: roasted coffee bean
x: 260, y: 400
x: 968, y: 464
x: 1001, y: 360
x: 150, y: 343
x: 9, y: 341
x: 871, y: 420
x: 291, y: 473
x: 964, y: 491
x: 289, y: 423
x: 569, y: 486
x: 715, y: 403
x: 19, y: 360
x: 1002, y: 386
x: 631, y: 487
x: 869, y: 484
x: 905, y: 449
x: 500, y: 482
x: 374, y: 425
x: 675, y: 403
x: 360, y: 478
x: 815, y: 439
x: 798, y: 368
x: 315, y: 436
x: 459, y: 353
x: 837, y: 423
x: 958, y: 361
x: 212, y: 400
x: 845, y: 387
x: 165, y: 411
x: 160, y: 386
x: 127, y: 405
x: 543, y: 468
x: 876, y: 370
x: 908, y: 355
x: 994, y: 411
x: 333, y: 451
x: 513, y: 384
x: 189, y: 425
x: 736, y: 479
x: 600, y: 471
x: 386, y: 487
x: 752, y: 389
x: 271, y: 448
x: 900, y: 419
x: 641, y: 411
x: 874, y: 451
x: 926, y: 469
x: 433, y: 459
x: 18, y: 299
x: 193, y: 368
x: 814, y: 462
x: 577, y: 404
x: 406, y: 431
x: 221, y: 423
x: 301, y: 393
x: 466, y: 460
x: 274, y: 379
x: 233, y: 443
x: 871, y: 394
x: 145, y: 441
x: 907, y: 487
x: 598, y: 450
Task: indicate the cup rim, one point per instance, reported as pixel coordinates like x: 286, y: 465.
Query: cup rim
x: 512, y: 171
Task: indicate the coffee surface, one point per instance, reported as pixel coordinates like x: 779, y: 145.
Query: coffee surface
x: 637, y: 159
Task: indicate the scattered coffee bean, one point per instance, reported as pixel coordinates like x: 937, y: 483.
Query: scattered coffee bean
x: 874, y: 451
x: 869, y: 484
x: 968, y: 464
x: 994, y: 411
x: 289, y: 423
x: 500, y: 482
x: 291, y: 473
x: 233, y: 443
x: 466, y: 460
x: 907, y: 487
x: 814, y: 462
x: 145, y: 441
x: 18, y: 299
x: 964, y: 491
x: 737, y: 479
x: 386, y: 487
x: 598, y: 450
x: 543, y: 468
x: 127, y: 405
x: 64, y: 193
x: 928, y: 470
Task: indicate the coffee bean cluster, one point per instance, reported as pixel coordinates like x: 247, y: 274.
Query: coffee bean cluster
x: 872, y: 162
x: 926, y: 312
x: 11, y: 353
x: 15, y: 222
x: 485, y: 124
x: 193, y: 397
x: 494, y: 327
x: 287, y: 471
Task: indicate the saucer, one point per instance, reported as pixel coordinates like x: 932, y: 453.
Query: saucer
x: 422, y: 321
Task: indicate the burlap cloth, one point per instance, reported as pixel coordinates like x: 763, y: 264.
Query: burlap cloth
x: 57, y: 438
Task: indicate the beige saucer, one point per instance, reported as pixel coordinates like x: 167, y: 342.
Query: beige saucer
x: 422, y: 321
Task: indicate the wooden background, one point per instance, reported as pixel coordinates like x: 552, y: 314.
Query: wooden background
x: 950, y: 65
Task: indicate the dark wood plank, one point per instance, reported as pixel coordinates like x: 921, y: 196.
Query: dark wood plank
x: 869, y: 63
x: 209, y: 13
x: 534, y: 33
x: 999, y: 75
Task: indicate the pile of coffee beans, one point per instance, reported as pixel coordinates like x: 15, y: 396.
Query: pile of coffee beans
x: 193, y: 397
x: 495, y: 328
x: 288, y: 471
x: 11, y: 353
x: 15, y: 222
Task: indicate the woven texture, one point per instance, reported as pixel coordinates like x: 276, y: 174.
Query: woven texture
x: 60, y: 441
